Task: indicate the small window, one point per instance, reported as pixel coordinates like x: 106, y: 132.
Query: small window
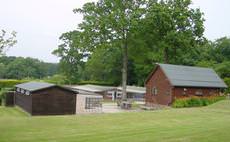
x: 167, y: 93
x: 27, y: 93
x: 184, y: 91
x: 22, y: 91
x: 18, y: 90
x: 154, y: 91
x: 199, y: 92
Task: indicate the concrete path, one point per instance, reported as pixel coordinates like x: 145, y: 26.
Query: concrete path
x: 111, y: 108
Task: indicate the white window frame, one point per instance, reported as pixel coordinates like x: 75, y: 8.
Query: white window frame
x: 154, y: 91
x: 185, y: 91
x: 22, y: 91
x: 27, y: 93
x: 18, y: 90
x: 199, y: 92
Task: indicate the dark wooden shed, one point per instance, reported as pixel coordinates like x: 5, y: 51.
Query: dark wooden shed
x: 169, y: 82
x: 9, y: 100
x: 39, y: 98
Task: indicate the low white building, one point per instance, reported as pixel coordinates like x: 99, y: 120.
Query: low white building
x: 108, y: 92
x: 112, y: 93
x: 135, y: 93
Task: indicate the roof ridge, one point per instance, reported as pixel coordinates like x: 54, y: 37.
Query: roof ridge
x: 185, y: 66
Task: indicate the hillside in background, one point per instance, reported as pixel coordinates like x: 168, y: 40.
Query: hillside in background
x: 19, y: 68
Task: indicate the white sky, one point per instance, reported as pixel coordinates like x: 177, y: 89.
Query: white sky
x: 39, y: 23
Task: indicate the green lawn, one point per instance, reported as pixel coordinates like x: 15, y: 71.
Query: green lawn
x: 208, y: 124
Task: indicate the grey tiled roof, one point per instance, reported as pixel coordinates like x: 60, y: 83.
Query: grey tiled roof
x: 34, y: 86
x: 192, y: 76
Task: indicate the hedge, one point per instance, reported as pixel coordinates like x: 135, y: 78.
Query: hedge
x: 10, y: 83
x: 95, y: 83
x: 196, y: 101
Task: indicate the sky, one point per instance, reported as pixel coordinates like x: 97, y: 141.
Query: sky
x: 39, y: 23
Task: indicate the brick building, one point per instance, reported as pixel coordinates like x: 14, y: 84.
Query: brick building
x: 168, y: 82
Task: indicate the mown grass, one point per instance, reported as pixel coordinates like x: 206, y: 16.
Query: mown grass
x: 204, y: 124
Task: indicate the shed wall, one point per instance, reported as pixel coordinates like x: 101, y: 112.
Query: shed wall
x: 9, y: 98
x: 24, y: 101
x: 54, y: 101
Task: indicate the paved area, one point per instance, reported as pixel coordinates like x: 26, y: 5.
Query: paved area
x: 111, y: 108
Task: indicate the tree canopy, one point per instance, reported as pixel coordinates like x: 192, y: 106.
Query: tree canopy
x: 6, y: 41
x: 130, y: 36
x: 19, y: 68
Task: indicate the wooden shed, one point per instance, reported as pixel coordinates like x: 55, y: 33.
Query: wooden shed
x: 169, y: 82
x: 39, y: 98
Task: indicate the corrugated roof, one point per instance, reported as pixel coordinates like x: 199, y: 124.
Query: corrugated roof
x: 34, y: 86
x: 134, y: 89
x: 189, y: 76
x: 93, y: 88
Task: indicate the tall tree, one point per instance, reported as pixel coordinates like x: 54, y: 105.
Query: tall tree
x: 175, y: 28
x: 71, y: 54
x: 104, y: 65
x: 109, y: 24
x: 6, y: 41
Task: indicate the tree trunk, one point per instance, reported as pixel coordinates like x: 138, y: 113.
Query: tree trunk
x: 124, y: 70
x: 166, y: 55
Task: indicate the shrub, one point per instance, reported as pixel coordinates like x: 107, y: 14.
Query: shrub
x: 0, y: 100
x: 3, y: 95
x: 196, y: 101
x: 179, y: 103
x: 227, y: 81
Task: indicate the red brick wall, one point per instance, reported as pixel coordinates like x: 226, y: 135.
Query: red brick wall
x: 160, y: 81
x: 178, y: 92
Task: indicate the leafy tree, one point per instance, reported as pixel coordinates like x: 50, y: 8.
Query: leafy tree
x: 170, y: 32
x: 2, y: 70
x: 109, y: 24
x: 220, y: 50
x: 223, y: 69
x: 173, y: 28
x: 104, y: 65
x: 72, y: 55
x: 6, y: 42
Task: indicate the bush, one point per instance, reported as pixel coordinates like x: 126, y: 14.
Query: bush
x: 3, y: 95
x: 196, y: 101
x: 179, y: 103
x: 56, y: 79
x: 0, y: 100
x: 227, y: 81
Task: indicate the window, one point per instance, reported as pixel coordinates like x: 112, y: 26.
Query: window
x: 18, y: 89
x: 92, y: 103
x: 154, y: 91
x: 184, y: 91
x: 167, y: 93
x: 199, y: 92
x: 27, y: 93
x: 22, y: 91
